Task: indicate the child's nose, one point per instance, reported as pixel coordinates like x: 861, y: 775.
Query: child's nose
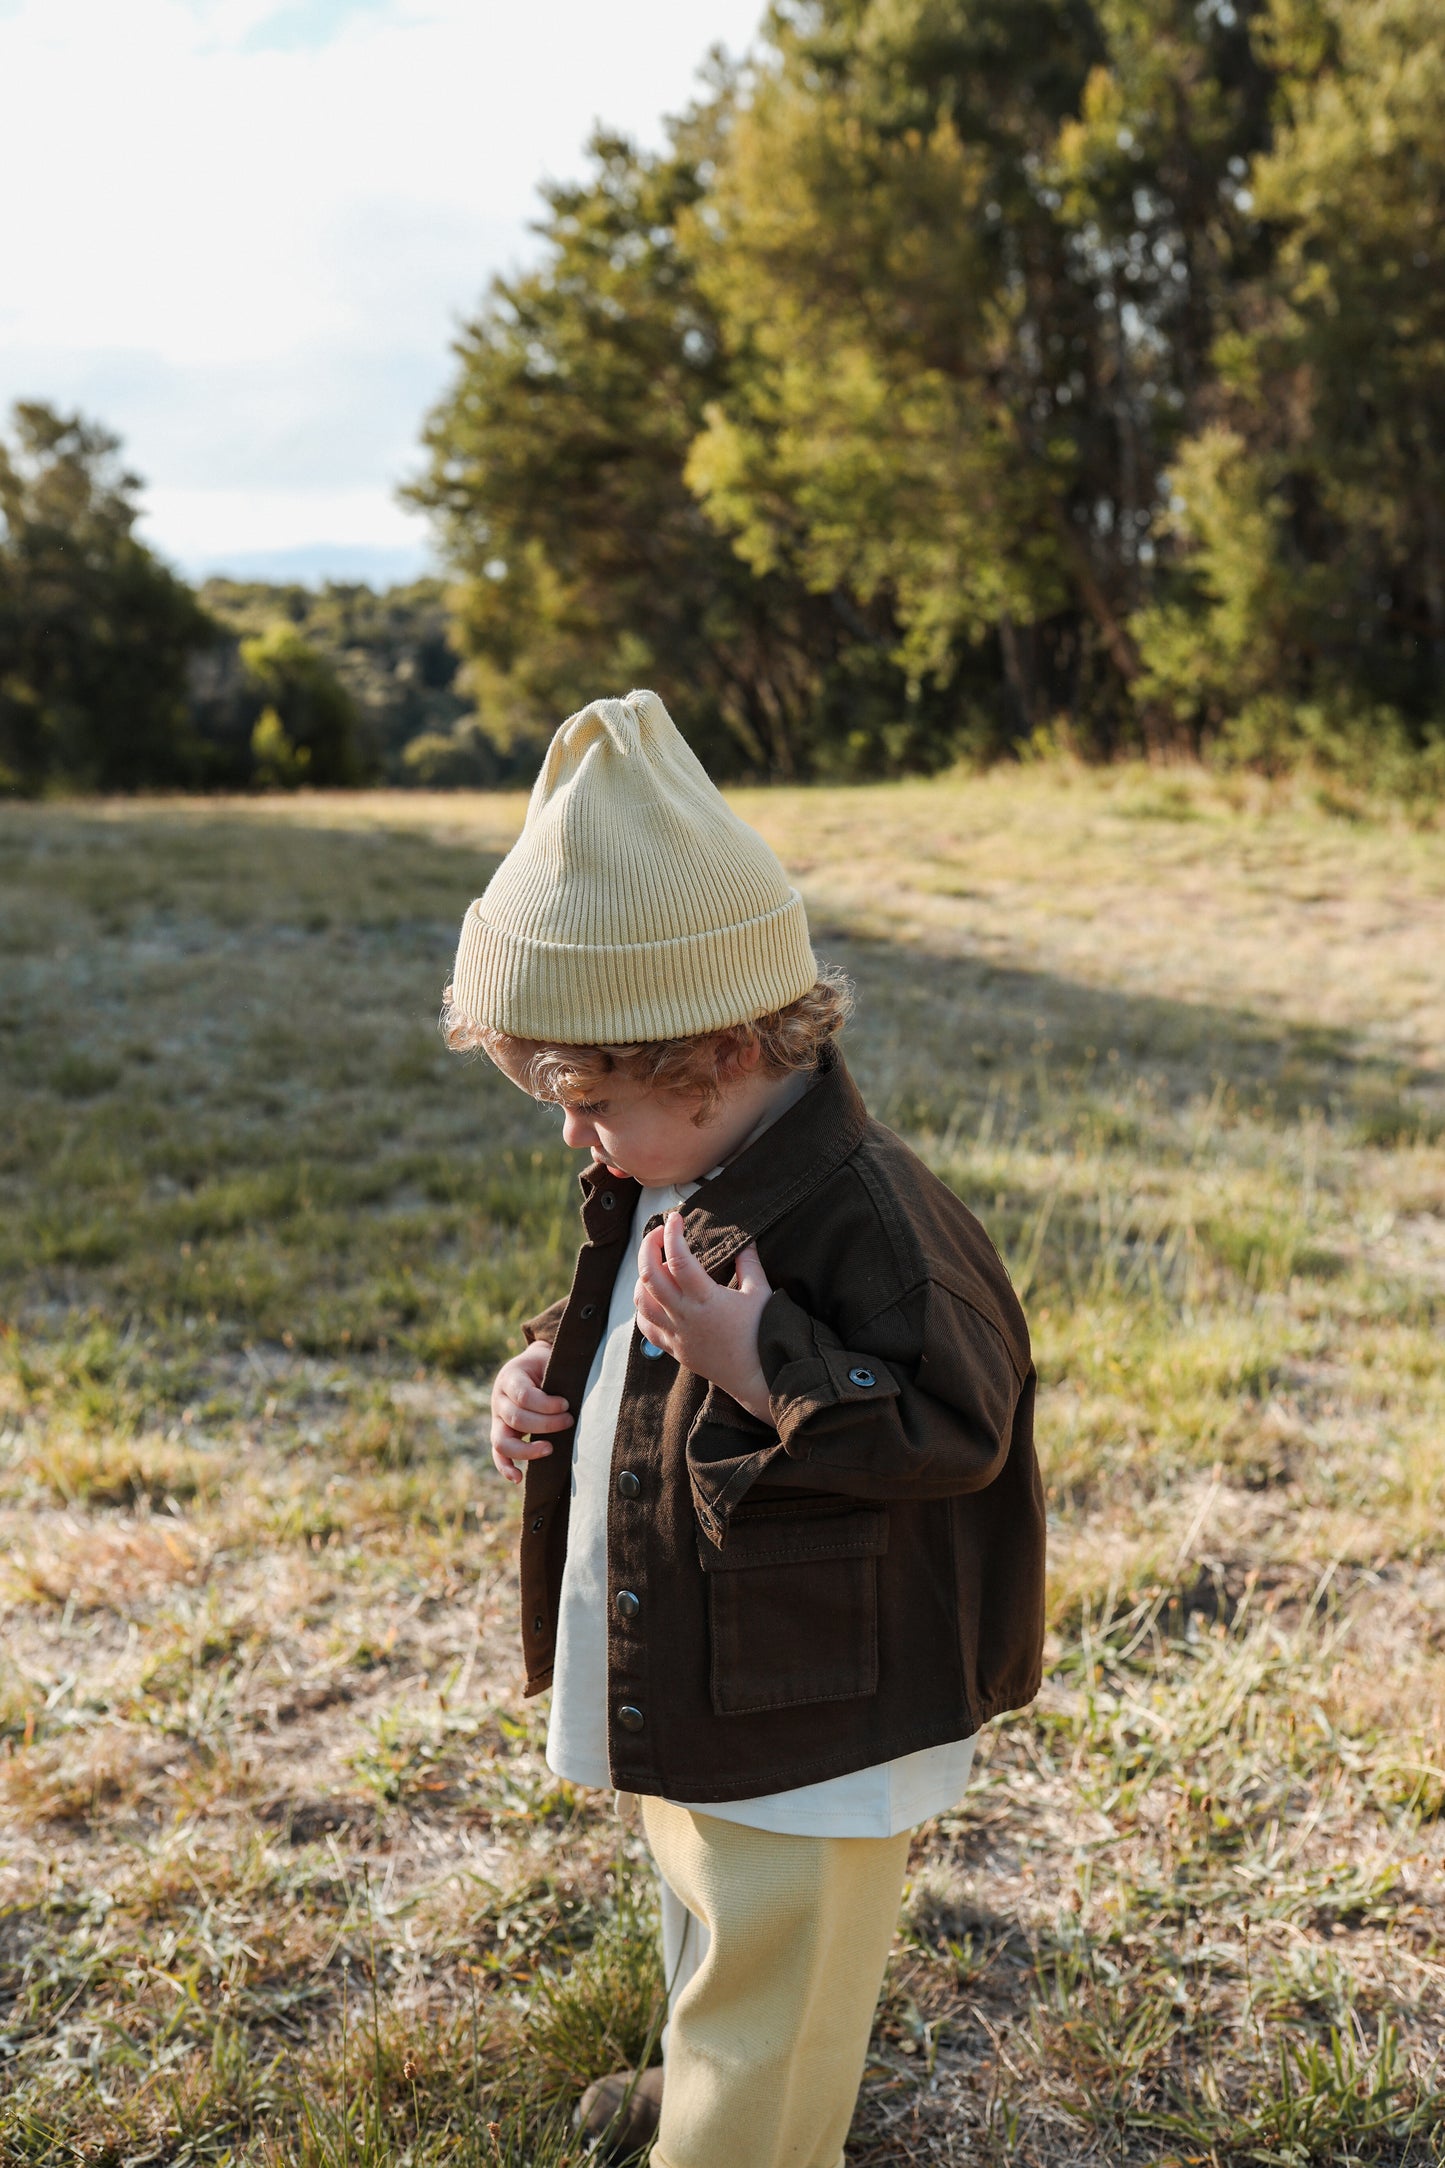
x: 577, y: 1130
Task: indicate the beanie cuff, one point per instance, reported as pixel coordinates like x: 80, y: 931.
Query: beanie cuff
x: 581, y: 994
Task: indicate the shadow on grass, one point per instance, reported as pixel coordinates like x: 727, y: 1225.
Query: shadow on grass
x: 242, y: 1129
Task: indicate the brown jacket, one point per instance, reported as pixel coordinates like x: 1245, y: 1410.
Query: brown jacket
x: 865, y: 1576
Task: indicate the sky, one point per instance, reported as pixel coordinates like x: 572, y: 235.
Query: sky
x: 242, y: 233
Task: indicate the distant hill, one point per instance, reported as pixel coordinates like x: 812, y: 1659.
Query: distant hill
x: 315, y: 564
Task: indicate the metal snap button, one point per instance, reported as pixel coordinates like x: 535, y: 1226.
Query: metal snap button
x: 628, y: 1605
x: 652, y: 1352
x: 860, y: 1376
x: 629, y: 1718
x: 607, y: 1200
x: 588, y: 1309
x: 538, y: 1524
x: 628, y: 1485
x: 537, y: 1623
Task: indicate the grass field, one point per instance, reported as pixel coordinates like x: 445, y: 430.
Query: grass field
x: 283, y: 1875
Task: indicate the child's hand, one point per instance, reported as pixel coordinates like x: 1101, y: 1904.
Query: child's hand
x: 711, y: 1330
x: 520, y: 1405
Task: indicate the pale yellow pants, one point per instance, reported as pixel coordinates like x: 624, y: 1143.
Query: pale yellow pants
x: 772, y: 2000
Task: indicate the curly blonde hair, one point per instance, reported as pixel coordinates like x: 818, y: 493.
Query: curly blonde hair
x: 699, y: 1067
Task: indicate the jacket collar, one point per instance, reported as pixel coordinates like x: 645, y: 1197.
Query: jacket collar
x: 793, y: 1156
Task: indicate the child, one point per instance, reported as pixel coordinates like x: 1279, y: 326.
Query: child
x: 783, y: 1532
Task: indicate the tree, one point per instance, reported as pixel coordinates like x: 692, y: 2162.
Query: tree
x: 307, y: 731
x: 96, y: 634
x: 390, y: 649
x: 1307, y: 602
x: 964, y: 254
x: 582, y: 560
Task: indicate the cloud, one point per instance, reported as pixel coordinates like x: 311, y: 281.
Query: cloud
x: 257, y: 519
x: 305, y: 24
x: 243, y: 231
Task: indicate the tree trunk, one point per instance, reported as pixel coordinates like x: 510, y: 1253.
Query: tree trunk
x: 1432, y: 572
x: 1116, y: 637
x: 1015, y: 673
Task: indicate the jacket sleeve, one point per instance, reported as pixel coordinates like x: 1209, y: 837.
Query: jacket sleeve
x: 931, y: 1418
x: 544, y: 1325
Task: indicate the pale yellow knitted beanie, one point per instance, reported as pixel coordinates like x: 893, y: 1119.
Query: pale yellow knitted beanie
x: 634, y: 904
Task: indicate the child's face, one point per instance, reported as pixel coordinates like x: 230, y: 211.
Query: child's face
x: 630, y: 1128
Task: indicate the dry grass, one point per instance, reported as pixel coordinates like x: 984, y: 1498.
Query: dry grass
x: 285, y: 1876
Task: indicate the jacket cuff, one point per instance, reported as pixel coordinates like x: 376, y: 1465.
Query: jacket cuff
x: 727, y: 1450
x: 544, y: 1325
x: 807, y: 1372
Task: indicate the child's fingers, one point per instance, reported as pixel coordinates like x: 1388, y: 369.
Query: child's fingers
x: 748, y: 1274
x: 525, y: 1384
x: 655, y: 1325
x: 532, y: 1398
x: 506, y: 1445
x: 512, y: 1464
x: 689, y: 1275
x: 658, y: 1287
x: 521, y: 1418
x: 652, y: 1265
x: 650, y: 1313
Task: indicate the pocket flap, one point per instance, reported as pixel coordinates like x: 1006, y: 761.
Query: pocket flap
x: 790, y: 1535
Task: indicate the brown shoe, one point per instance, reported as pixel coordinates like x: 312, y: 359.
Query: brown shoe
x: 622, y: 2111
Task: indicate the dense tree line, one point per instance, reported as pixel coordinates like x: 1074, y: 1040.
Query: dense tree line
x: 963, y: 375
x: 389, y: 654
x: 969, y: 372
x: 96, y: 635
x: 115, y: 675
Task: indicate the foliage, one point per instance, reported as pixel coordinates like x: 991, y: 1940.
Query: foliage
x: 307, y: 730
x: 583, y: 561
x: 114, y: 675
x: 1080, y: 358
x: 961, y: 377
x: 95, y: 632
x: 391, y: 652
x: 1309, y: 604
x: 952, y: 241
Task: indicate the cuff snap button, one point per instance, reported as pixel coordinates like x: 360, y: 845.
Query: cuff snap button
x: 860, y: 1376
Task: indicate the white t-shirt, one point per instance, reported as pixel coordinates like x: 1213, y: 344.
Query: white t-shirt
x: 876, y: 1802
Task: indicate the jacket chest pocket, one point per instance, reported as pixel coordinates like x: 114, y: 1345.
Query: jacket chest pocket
x: 793, y: 1606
